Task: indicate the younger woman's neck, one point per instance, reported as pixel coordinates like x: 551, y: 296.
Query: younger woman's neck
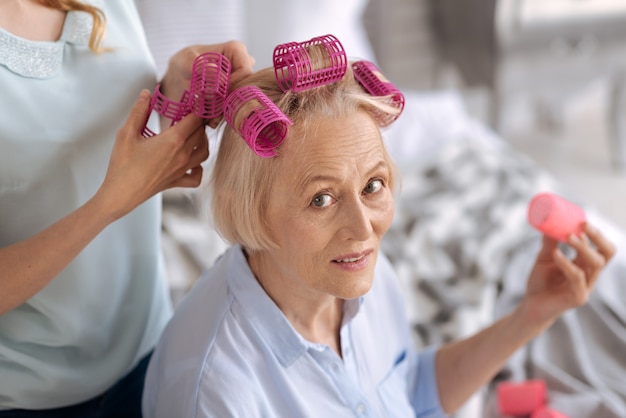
x: 29, y: 19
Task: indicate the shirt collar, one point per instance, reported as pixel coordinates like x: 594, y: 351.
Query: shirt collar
x: 269, y: 321
x: 41, y: 60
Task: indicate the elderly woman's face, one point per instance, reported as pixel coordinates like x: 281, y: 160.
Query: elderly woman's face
x: 330, y: 208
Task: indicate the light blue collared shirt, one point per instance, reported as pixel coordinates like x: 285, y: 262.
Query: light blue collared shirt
x: 230, y: 352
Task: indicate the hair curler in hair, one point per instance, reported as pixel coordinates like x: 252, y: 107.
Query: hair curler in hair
x: 257, y: 119
x: 210, y: 75
x: 555, y: 216
x: 295, y: 71
x: 375, y: 83
x: 521, y: 398
x: 545, y: 412
x: 170, y: 109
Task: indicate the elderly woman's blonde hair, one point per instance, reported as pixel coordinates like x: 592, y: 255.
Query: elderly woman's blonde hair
x: 241, y: 182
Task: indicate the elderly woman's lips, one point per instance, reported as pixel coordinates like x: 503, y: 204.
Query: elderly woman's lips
x: 353, y: 261
x: 350, y: 259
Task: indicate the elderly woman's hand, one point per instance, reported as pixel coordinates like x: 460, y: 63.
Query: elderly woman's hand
x: 557, y: 283
x: 177, y: 79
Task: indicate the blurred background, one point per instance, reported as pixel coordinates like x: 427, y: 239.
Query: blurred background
x: 546, y: 75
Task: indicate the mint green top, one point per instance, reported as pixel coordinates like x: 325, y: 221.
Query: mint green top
x: 60, y: 108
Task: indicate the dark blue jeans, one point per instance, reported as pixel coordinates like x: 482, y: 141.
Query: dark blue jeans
x: 123, y: 400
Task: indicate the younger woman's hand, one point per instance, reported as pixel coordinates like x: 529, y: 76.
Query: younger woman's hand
x: 141, y: 167
x: 177, y: 79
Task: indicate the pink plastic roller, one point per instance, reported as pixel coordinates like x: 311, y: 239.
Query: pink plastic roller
x: 210, y: 76
x: 262, y: 125
x: 545, y: 412
x: 294, y: 70
x: 556, y: 216
x: 373, y: 81
x: 165, y: 107
x: 521, y: 398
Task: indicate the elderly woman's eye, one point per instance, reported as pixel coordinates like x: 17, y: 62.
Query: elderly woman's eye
x: 321, y: 201
x: 373, y: 186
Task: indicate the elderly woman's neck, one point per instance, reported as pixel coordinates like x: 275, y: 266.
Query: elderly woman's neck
x: 317, y: 317
x: 29, y: 19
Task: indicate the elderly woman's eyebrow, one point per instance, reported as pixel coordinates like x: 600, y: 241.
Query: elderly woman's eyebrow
x: 311, y: 177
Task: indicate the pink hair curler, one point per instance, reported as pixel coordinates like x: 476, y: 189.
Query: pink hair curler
x: 373, y: 81
x: 556, y: 216
x: 545, y: 412
x: 210, y: 76
x: 264, y: 126
x: 165, y: 107
x: 522, y: 398
x: 293, y: 68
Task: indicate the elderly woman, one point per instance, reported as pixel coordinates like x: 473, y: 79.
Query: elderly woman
x: 302, y: 316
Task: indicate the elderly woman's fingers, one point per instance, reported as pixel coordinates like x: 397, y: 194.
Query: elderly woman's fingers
x: 576, y: 276
x: 603, y: 245
x: 593, y: 253
x: 587, y: 255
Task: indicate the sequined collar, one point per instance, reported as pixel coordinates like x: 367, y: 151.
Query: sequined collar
x: 34, y: 59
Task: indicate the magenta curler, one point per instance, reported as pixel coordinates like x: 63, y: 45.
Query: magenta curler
x: 293, y: 68
x: 210, y: 76
x: 167, y: 108
x: 373, y: 81
x: 555, y: 216
x: 521, y: 398
x: 264, y: 127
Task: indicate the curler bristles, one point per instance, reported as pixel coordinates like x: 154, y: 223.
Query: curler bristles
x: 170, y: 109
x: 294, y: 70
x: 373, y: 81
x: 209, y: 84
x: 257, y: 119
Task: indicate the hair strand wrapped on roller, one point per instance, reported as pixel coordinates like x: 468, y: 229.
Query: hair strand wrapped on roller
x: 373, y: 81
x: 296, y: 71
x: 257, y: 119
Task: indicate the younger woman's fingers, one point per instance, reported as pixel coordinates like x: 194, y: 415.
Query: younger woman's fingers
x: 191, y: 178
x: 138, y: 115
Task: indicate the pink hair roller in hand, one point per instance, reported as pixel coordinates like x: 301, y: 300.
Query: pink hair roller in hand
x: 521, y: 398
x: 257, y: 119
x: 210, y: 76
x: 555, y: 216
x: 165, y: 107
x: 293, y: 68
x: 545, y: 412
x: 373, y: 81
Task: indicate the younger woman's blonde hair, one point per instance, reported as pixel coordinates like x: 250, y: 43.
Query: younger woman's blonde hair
x: 99, y: 20
x: 241, y: 182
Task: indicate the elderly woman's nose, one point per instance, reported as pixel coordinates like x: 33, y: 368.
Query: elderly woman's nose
x: 357, y: 221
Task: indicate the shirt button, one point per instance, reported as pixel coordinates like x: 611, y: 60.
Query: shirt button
x: 335, y: 367
x: 361, y: 408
